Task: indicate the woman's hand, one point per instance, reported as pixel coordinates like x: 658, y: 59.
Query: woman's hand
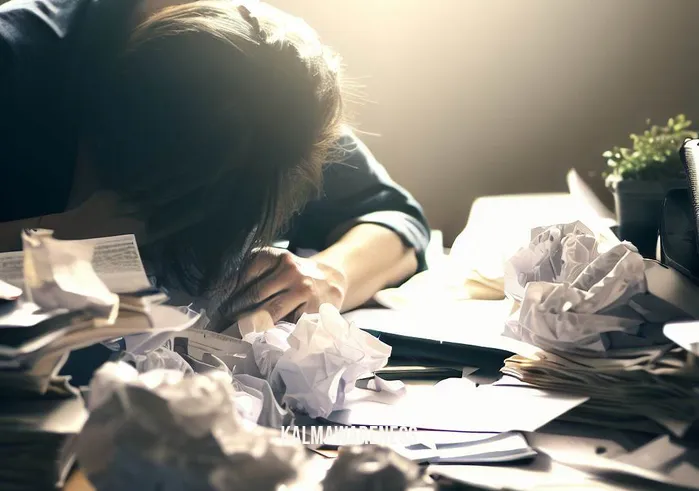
x: 286, y: 286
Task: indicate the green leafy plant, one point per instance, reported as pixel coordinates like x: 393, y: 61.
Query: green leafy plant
x: 653, y: 155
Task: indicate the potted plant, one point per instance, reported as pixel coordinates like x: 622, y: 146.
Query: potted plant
x: 641, y: 176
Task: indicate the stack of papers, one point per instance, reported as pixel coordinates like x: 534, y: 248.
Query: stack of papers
x: 34, y: 344
x: 655, y: 384
x: 64, y: 306
x: 36, y: 437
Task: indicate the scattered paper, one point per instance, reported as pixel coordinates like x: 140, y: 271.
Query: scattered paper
x: 521, y: 478
x: 116, y: 262
x: 60, y: 275
x: 684, y: 334
x: 269, y: 346
x: 458, y: 405
x: 499, y: 225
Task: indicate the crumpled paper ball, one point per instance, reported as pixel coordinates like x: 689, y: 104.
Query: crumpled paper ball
x: 326, y: 356
x: 313, y: 366
x: 555, y: 254
x: 165, y: 430
x: 572, y: 295
x: 375, y: 467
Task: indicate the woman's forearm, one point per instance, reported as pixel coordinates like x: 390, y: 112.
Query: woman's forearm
x: 372, y: 257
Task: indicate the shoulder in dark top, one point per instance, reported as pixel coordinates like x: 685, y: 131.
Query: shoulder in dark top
x: 357, y: 189
x: 47, y: 48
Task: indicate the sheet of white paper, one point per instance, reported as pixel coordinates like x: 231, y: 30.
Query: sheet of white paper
x: 499, y: 225
x: 116, y: 261
x: 684, y: 334
x: 470, y: 408
x: 59, y: 274
x: 586, y: 197
x: 474, y: 322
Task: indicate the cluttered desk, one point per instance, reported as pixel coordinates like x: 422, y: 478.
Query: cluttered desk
x: 468, y: 375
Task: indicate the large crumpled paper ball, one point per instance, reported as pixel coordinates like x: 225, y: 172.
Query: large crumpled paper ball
x: 167, y: 430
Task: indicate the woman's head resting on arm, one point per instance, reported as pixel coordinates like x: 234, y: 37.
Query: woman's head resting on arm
x: 214, y: 122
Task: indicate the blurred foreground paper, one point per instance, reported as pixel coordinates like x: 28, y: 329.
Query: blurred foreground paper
x: 164, y: 430
x: 458, y: 405
x: 116, y: 261
x: 377, y: 468
x: 472, y: 448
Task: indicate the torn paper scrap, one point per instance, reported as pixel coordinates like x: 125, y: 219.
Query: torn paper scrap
x: 59, y: 274
x: 326, y: 356
x: 116, y: 260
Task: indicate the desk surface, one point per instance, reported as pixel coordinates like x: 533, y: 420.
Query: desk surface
x: 544, y: 473
x: 504, y: 218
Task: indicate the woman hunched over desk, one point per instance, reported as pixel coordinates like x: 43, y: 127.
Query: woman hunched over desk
x: 209, y: 130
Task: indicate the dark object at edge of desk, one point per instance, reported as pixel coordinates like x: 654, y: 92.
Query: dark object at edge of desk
x: 427, y: 352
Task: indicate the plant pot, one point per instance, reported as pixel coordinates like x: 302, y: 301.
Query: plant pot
x: 638, y: 206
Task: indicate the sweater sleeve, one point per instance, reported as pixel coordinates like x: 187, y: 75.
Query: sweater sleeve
x: 357, y: 189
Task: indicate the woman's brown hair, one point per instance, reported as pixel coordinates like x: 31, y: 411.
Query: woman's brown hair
x: 214, y: 122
